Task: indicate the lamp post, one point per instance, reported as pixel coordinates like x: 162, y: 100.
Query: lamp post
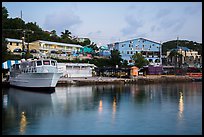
x: 23, y: 47
x: 180, y: 57
x: 160, y: 52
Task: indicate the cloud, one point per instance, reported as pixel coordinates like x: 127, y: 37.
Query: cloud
x: 172, y: 24
x: 61, y: 21
x: 133, y: 24
x: 162, y: 13
x: 153, y: 28
x: 96, y: 33
x: 191, y: 10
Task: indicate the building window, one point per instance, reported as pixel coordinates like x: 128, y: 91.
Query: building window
x: 131, y: 52
x: 157, y: 61
x: 17, y: 44
x: 10, y: 43
x: 127, y: 52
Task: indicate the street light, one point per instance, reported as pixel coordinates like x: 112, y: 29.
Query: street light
x: 23, y: 47
x: 180, y: 56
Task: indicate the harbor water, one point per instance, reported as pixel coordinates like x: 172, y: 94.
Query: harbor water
x: 125, y: 109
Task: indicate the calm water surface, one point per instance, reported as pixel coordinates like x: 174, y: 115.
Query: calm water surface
x: 105, y: 109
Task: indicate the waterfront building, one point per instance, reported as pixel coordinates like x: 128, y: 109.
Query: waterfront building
x: 189, y: 57
x: 76, y: 69
x: 15, y: 45
x: 49, y: 47
x: 41, y: 47
x: 104, y: 51
x: 149, y: 49
x: 87, y: 49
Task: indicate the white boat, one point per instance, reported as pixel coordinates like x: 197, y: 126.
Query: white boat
x: 34, y: 74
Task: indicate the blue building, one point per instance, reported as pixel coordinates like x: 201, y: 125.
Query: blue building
x: 150, y: 50
x: 104, y: 51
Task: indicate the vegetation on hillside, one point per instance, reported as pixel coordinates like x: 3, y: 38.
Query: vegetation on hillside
x: 183, y: 43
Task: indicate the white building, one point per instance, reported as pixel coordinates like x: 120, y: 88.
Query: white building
x: 76, y: 69
x: 190, y: 57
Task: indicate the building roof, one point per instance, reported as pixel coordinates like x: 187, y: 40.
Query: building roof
x: 87, y: 49
x: 180, y: 48
x: 104, y: 47
x: 137, y: 39
x: 13, y: 40
x: 58, y: 43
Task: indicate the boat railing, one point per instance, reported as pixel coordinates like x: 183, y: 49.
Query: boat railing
x: 29, y: 70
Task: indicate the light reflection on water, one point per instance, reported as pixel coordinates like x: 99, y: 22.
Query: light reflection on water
x: 105, y: 109
x: 23, y: 123
x: 181, y: 106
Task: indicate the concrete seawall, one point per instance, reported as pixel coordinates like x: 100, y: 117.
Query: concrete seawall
x: 135, y: 80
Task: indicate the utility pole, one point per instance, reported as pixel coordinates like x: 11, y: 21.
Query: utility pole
x: 177, y: 50
x: 160, y: 51
x: 23, y: 44
x: 177, y: 42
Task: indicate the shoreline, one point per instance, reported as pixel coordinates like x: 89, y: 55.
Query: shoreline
x: 149, y: 79
x: 136, y: 80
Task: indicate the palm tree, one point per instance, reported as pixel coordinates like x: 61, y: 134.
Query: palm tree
x: 174, y: 55
x: 66, y: 36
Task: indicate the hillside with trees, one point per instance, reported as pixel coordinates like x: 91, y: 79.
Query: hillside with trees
x: 17, y: 28
x: 183, y: 43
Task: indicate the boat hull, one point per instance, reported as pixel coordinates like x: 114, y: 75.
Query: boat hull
x: 36, y: 89
x: 35, y: 80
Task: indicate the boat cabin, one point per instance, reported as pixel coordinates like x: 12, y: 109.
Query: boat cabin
x: 36, y: 66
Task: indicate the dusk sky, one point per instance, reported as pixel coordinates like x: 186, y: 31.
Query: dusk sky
x: 108, y: 22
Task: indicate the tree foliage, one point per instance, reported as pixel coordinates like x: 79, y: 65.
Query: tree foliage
x: 14, y: 27
x: 183, y: 43
x: 174, y: 55
x: 4, y: 50
x: 139, y: 60
x: 4, y: 13
x: 115, y: 58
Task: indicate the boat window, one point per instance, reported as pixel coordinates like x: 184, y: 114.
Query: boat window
x: 46, y: 62
x: 39, y: 63
x: 53, y: 63
x: 68, y: 67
